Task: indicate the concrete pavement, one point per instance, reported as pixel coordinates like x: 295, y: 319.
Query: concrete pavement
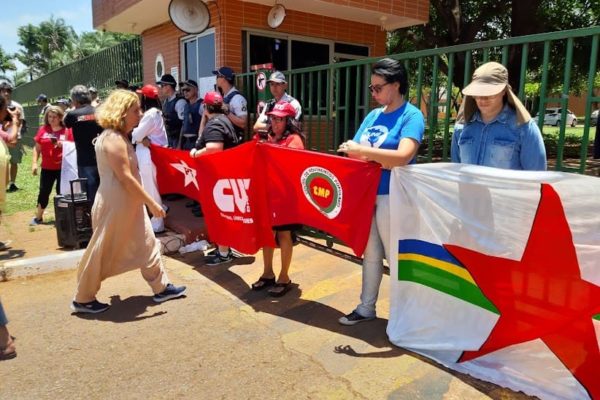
x: 223, y: 341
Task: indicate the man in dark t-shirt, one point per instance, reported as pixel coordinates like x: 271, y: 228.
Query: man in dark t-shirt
x: 85, y: 131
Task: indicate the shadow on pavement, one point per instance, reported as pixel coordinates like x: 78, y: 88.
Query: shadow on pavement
x: 293, y: 307
x: 128, y: 310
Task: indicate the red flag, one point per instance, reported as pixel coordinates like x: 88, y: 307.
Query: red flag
x: 326, y: 192
x: 247, y: 190
x: 233, y: 199
x: 176, y: 172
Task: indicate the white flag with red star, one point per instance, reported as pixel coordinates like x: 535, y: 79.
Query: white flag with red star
x: 498, y: 275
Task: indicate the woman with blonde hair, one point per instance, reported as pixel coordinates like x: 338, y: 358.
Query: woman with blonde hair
x: 48, y: 144
x: 123, y: 239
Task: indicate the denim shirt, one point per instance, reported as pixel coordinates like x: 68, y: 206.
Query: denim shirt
x: 501, y: 143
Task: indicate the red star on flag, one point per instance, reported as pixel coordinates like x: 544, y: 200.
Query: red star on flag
x: 542, y: 295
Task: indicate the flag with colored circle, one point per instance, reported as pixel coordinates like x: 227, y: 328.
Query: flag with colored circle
x: 496, y: 274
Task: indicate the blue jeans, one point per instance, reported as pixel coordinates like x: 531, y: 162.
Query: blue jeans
x: 93, y: 180
x: 3, y: 319
x: 377, y: 249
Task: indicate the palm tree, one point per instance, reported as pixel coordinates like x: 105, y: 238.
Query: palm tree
x: 6, y: 61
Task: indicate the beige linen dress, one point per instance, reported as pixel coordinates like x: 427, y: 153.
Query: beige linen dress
x: 123, y: 239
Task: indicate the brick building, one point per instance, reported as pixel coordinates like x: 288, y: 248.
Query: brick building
x: 313, y: 32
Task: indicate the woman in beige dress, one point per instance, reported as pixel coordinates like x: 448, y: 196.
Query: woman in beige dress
x: 123, y: 239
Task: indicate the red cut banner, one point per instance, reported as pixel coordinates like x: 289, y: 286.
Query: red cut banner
x: 247, y: 190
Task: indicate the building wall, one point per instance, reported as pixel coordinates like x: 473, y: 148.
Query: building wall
x: 162, y: 39
x: 235, y: 15
x: 103, y: 10
x: 417, y: 9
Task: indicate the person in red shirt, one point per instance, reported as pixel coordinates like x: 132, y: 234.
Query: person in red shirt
x: 282, y: 130
x: 48, y: 144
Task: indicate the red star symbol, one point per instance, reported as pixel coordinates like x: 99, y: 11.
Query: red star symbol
x: 542, y: 295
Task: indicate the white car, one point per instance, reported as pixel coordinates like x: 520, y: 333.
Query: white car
x: 552, y: 117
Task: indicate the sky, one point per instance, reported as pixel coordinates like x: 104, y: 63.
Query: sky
x: 76, y: 13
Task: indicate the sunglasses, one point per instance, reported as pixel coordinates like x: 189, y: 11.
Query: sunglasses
x: 377, y: 88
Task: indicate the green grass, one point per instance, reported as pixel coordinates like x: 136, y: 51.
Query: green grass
x: 25, y: 199
x: 573, y: 132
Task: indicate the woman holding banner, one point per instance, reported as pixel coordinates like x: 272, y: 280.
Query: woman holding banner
x: 123, y: 239
x: 282, y: 130
x: 389, y: 135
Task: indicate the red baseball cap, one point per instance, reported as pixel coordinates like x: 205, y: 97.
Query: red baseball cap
x: 213, y: 99
x: 283, y: 109
x: 150, y: 91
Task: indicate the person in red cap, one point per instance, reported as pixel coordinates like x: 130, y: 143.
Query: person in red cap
x: 151, y: 129
x: 282, y: 128
x: 218, y: 135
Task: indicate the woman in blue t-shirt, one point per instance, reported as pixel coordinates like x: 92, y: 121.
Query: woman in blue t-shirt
x: 389, y: 135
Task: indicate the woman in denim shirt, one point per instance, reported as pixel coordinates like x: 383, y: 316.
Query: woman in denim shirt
x: 494, y: 128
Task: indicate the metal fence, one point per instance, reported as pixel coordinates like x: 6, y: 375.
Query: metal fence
x: 122, y: 61
x: 335, y: 97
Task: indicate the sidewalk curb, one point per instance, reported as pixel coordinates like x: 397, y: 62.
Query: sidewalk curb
x: 40, y: 265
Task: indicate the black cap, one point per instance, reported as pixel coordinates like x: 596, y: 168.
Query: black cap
x: 41, y: 97
x: 167, y: 79
x: 122, y: 82
x: 225, y: 72
x: 189, y: 82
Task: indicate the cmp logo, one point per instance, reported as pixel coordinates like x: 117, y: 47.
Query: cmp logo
x: 323, y: 190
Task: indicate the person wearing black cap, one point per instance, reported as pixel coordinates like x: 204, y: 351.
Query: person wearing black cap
x: 191, y: 115
x: 122, y: 84
x: 94, y: 96
x: 173, y: 108
x: 63, y: 103
x: 277, y: 85
x: 42, y: 101
x: 235, y: 105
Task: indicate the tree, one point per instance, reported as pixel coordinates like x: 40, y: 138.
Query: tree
x: 454, y: 22
x: 6, y: 61
x: 53, y: 43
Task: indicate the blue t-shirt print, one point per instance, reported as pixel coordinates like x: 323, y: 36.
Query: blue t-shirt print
x: 384, y: 131
x: 374, y: 136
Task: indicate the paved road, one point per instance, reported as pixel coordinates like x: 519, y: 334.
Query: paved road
x: 222, y: 341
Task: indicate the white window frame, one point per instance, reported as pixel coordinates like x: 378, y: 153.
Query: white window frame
x: 189, y: 38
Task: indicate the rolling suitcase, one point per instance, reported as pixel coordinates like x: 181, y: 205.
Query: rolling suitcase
x: 73, y: 213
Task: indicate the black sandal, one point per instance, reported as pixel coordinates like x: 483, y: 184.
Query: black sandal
x: 263, y: 283
x: 280, y: 289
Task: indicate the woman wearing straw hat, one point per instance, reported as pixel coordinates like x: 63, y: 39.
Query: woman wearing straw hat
x: 493, y: 127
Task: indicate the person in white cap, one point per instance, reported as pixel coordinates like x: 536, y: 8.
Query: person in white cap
x: 278, y: 86
x: 493, y: 127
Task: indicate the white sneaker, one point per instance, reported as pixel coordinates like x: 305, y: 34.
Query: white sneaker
x: 36, y: 221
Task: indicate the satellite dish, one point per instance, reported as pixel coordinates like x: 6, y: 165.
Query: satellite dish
x: 190, y: 16
x: 276, y: 16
